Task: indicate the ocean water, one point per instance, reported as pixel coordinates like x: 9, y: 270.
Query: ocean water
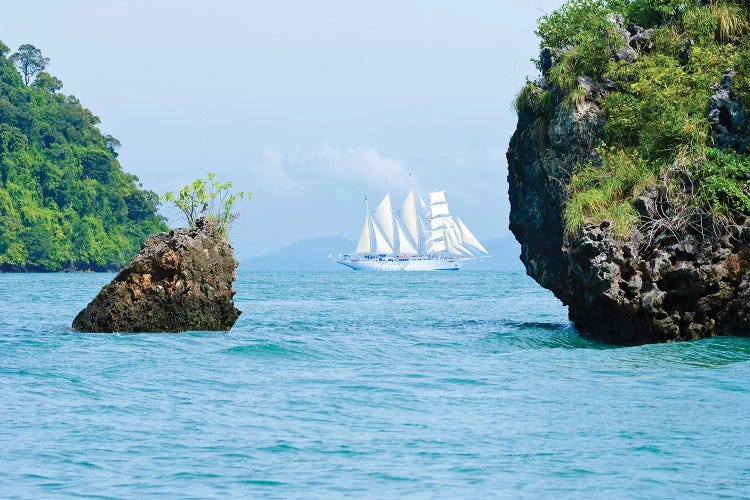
x: 441, y: 385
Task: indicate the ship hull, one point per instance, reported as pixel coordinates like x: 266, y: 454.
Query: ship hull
x: 397, y: 265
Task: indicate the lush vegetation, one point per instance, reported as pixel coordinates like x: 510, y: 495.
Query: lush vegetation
x: 65, y: 201
x: 657, y: 130
x: 209, y: 199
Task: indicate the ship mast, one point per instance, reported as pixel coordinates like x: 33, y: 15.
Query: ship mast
x: 393, y: 225
x: 367, y: 218
x: 416, y: 218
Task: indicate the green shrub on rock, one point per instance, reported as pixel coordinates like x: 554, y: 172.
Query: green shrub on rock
x: 582, y: 30
x: 210, y: 199
x: 724, y: 185
x: 606, y: 192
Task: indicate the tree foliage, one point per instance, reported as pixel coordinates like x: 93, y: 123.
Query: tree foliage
x: 46, y: 81
x: 29, y: 61
x: 209, y: 199
x: 65, y: 201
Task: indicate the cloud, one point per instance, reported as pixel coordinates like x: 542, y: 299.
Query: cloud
x: 281, y: 175
x: 361, y: 163
x: 270, y: 174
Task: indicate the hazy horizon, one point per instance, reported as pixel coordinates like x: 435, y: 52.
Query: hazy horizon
x: 311, y: 107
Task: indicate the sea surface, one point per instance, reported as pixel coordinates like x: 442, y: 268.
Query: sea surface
x: 427, y: 385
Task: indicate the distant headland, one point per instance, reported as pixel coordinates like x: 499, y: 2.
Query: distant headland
x: 66, y: 204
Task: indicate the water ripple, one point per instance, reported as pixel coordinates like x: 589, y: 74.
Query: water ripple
x: 354, y: 384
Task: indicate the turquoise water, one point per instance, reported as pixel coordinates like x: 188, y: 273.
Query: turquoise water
x: 368, y: 385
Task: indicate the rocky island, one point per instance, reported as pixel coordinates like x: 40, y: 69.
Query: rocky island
x: 629, y: 174
x: 179, y: 281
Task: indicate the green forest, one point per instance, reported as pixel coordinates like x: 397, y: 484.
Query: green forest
x: 65, y: 201
x: 659, y: 130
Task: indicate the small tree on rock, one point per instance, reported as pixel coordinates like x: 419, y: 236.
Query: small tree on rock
x: 209, y: 199
x: 29, y: 61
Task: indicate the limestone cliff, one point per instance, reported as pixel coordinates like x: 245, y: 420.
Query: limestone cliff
x: 655, y: 284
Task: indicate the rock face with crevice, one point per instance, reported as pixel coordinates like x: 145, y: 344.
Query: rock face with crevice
x: 648, y: 288
x: 179, y: 281
x: 728, y: 116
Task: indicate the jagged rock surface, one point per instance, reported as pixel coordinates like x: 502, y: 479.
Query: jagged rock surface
x: 728, y: 116
x: 631, y: 292
x: 684, y: 290
x: 179, y: 281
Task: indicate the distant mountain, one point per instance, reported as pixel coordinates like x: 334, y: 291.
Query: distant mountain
x: 306, y: 255
x: 312, y: 255
x: 505, y: 252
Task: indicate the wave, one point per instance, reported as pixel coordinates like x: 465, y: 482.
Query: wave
x: 266, y: 349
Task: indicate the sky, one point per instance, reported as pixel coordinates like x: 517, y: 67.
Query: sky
x: 309, y: 105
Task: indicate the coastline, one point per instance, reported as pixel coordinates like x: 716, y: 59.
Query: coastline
x: 72, y: 268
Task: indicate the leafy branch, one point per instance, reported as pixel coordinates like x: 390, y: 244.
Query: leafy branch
x: 208, y: 199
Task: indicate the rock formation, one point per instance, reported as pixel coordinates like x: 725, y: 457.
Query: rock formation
x: 651, y: 287
x: 179, y: 281
x: 727, y: 116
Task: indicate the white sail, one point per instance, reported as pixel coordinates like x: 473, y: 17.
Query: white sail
x: 438, y: 224
x: 409, y: 216
x: 437, y: 246
x: 451, y: 248
x: 406, y: 244
x: 433, y: 238
x: 424, y: 208
x: 381, y: 244
x: 424, y: 228
x: 365, y: 240
x: 468, y: 239
x: 437, y: 197
x: 439, y: 210
x: 453, y: 241
x: 384, y: 218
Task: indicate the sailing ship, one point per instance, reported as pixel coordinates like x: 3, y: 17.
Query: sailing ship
x: 417, y: 237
